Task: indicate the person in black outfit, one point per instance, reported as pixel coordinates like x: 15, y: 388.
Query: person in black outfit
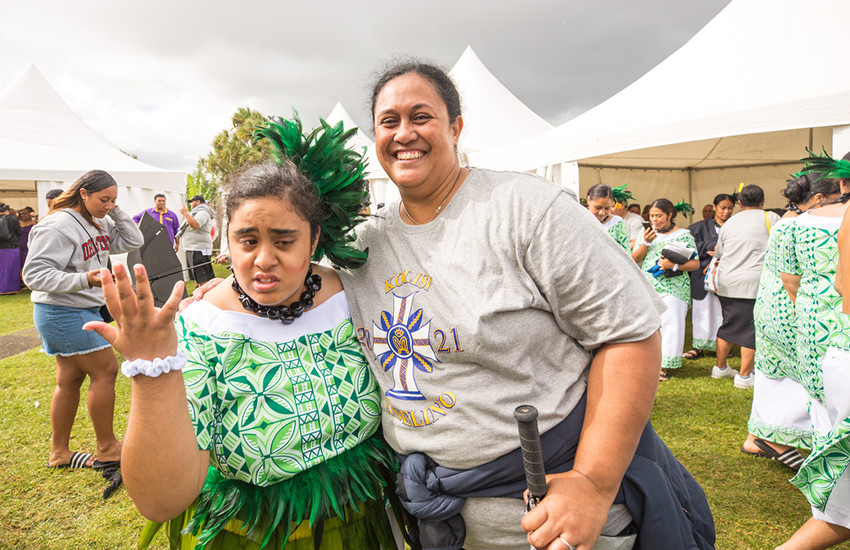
x: 705, y: 313
x: 10, y: 255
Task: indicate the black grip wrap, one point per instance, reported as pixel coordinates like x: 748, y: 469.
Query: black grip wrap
x: 532, y: 454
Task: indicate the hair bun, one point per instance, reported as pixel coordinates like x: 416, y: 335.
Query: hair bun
x: 797, y: 189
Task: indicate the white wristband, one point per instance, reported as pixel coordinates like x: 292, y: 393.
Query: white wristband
x: 675, y: 267
x: 153, y: 368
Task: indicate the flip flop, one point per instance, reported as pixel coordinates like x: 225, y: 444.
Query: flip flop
x: 78, y: 461
x: 663, y: 376
x: 791, y: 458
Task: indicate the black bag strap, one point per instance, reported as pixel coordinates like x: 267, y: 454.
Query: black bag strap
x: 93, y: 243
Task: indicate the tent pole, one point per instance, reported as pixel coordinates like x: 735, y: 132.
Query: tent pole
x: 691, y: 190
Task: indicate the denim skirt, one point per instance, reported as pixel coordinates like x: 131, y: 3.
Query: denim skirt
x: 61, y: 329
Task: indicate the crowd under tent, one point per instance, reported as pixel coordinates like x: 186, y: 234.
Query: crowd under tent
x: 45, y: 145
x: 739, y: 102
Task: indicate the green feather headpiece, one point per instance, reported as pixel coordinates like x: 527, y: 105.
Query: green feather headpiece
x: 337, y: 174
x: 622, y: 195
x: 826, y: 165
x: 684, y: 208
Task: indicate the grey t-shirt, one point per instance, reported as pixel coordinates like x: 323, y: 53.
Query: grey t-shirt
x: 741, y: 244
x: 200, y: 238
x: 496, y: 303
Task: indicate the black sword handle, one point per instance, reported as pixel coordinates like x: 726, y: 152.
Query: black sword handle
x: 532, y: 454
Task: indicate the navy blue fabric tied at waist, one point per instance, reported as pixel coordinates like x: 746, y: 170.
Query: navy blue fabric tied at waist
x: 436, y: 494
x: 667, y: 504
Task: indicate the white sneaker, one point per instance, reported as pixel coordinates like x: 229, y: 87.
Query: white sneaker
x: 744, y: 382
x: 725, y: 372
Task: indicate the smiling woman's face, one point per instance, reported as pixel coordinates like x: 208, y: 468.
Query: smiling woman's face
x: 270, y: 250
x: 414, y: 139
x: 601, y: 207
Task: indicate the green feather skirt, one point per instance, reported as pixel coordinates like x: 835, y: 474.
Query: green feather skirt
x: 338, y: 504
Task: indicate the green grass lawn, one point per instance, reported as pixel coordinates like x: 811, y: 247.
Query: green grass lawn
x: 702, y: 420
x: 17, y: 312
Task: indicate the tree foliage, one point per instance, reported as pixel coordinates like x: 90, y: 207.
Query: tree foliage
x: 234, y: 148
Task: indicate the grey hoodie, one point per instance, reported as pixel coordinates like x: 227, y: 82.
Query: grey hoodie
x: 63, y: 247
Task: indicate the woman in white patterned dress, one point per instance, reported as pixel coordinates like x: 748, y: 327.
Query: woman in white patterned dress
x: 600, y: 201
x: 779, y: 420
x: 823, y: 346
x: 667, y: 277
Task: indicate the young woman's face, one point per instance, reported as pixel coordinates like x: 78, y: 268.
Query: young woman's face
x: 659, y: 219
x: 270, y: 250
x: 601, y: 208
x: 99, y: 203
x: 414, y: 139
x: 723, y: 210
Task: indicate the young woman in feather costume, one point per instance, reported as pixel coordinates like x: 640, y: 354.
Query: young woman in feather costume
x: 278, y: 446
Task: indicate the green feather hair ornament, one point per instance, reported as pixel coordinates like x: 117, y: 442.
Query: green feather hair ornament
x: 734, y: 194
x: 826, y: 165
x: 684, y: 208
x: 337, y: 173
x: 622, y: 195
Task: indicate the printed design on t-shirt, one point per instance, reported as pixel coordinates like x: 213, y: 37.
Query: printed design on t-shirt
x: 93, y: 245
x: 402, y: 344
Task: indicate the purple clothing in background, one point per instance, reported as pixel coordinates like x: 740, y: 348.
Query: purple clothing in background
x: 10, y: 270
x: 167, y: 218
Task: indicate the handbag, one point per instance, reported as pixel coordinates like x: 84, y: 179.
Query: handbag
x: 710, y: 283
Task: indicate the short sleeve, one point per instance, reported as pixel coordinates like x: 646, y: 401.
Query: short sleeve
x: 199, y: 379
x: 786, y: 251
x: 594, y: 289
x: 202, y: 217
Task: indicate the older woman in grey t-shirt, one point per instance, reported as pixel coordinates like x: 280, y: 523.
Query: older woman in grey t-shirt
x: 741, y: 245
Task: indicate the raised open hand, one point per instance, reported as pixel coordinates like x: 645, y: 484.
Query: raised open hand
x: 142, y: 330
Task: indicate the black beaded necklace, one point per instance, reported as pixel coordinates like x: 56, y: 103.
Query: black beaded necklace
x: 285, y: 314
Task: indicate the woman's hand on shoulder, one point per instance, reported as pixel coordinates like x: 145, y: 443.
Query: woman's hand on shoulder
x: 142, y: 331
x: 573, y: 508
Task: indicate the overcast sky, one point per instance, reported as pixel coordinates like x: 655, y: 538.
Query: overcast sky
x: 161, y: 78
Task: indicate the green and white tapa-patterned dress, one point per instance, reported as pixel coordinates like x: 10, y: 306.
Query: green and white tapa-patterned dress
x: 675, y: 292
x: 780, y: 404
x: 616, y: 227
x: 821, y: 326
x: 288, y: 413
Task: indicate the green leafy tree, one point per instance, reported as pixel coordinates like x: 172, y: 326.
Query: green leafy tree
x: 232, y: 150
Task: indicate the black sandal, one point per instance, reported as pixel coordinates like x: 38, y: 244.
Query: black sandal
x: 693, y: 354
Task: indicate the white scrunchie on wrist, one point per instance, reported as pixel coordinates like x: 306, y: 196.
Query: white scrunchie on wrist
x: 153, y: 368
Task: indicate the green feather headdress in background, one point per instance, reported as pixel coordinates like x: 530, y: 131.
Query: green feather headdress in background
x: 684, y: 208
x: 826, y: 165
x: 622, y: 195
x: 337, y: 173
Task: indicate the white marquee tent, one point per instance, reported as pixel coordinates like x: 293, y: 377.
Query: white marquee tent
x: 738, y: 103
x: 44, y: 145
x: 493, y: 117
